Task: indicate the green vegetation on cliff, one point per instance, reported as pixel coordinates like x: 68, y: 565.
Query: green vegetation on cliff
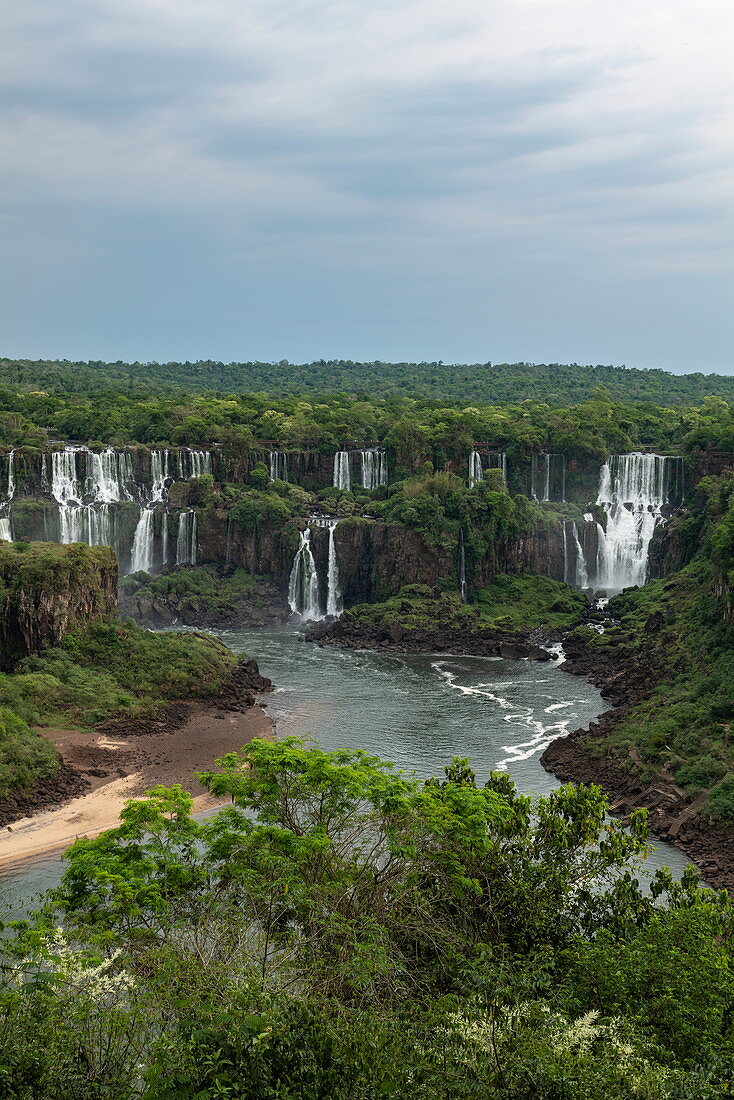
x: 25, y: 757
x: 204, y: 594
x: 526, y: 603
x: 681, y: 630
x: 346, y: 931
x: 514, y: 604
x: 113, y: 669
x: 52, y: 568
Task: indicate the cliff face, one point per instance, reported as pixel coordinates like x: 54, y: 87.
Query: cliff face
x: 46, y: 589
x: 376, y: 559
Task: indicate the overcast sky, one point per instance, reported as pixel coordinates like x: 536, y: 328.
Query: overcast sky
x: 469, y: 180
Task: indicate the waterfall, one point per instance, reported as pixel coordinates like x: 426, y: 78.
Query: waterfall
x: 109, y: 476
x: 498, y: 461
x: 374, y: 469
x: 476, y: 472
x: 462, y: 567
x: 632, y: 492
x: 303, y: 587
x: 334, y: 605
x: 278, y: 466
x: 11, y: 475
x: 581, y: 578
x: 228, y: 555
x: 5, y: 532
x: 159, y: 474
x: 342, y: 477
x: 186, y: 538
x: 190, y: 463
x: 543, y: 486
x: 200, y: 463
x: 540, y: 480
x: 142, y: 552
x: 164, y: 537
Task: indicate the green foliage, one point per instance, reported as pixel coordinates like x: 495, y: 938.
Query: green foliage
x: 50, y: 567
x: 345, y: 930
x: 502, y: 382
x: 524, y: 603
x: 201, y: 587
x: 25, y: 757
x: 112, y: 669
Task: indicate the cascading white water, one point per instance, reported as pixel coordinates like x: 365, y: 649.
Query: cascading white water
x: 159, y: 474
x: 334, y: 604
x: 342, y: 475
x: 540, y: 477
x: 186, y: 538
x: 164, y: 537
x: 476, y: 473
x: 109, y: 476
x: 632, y: 492
x: 374, y: 469
x: 581, y: 577
x: 278, y: 466
x: 86, y: 499
x: 11, y: 475
x: 548, y: 477
x: 463, y: 590
x: 141, y: 558
x: 5, y: 532
x: 303, y: 586
x: 200, y: 463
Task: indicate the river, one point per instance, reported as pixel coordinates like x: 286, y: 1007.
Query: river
x: 417, y: 710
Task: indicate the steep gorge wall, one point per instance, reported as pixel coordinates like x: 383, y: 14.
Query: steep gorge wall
x: 376, y: 558
x: 47, y: 589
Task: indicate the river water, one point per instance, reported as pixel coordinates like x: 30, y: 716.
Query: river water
x: 417, y: 710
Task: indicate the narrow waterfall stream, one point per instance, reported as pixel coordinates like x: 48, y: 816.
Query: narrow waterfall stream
x: 278, y: 466
x: 142, y: 552
x: 374, y: 469
x: 303, y: 586
x: 463, y: 590
x: 476, y: 473
x: 342, y: 472
x: 186, y: 538
x: 334, y: 604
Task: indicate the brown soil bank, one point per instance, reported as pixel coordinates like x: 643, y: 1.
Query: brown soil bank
x: 625, y: 679
x: 123, y: 758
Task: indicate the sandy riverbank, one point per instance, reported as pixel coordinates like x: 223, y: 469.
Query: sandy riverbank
x: 133, y: 765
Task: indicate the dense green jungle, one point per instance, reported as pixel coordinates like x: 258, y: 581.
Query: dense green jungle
x: 342, y: 929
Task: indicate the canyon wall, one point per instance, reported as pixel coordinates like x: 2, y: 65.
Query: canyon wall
x: 47, y: 589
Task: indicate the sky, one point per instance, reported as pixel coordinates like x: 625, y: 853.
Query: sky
x: 479, y: 180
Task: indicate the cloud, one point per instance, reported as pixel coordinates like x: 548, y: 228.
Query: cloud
x: 418, y: 137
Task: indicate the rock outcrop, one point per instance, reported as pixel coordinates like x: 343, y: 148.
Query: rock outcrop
x: 48, y: 589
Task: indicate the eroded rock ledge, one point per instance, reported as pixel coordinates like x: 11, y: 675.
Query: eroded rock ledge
x: 625, y: 678
x: 397, y: 638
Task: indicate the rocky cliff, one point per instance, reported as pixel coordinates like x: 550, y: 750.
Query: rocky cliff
x: 376, y: 559
x: 46, y: 589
